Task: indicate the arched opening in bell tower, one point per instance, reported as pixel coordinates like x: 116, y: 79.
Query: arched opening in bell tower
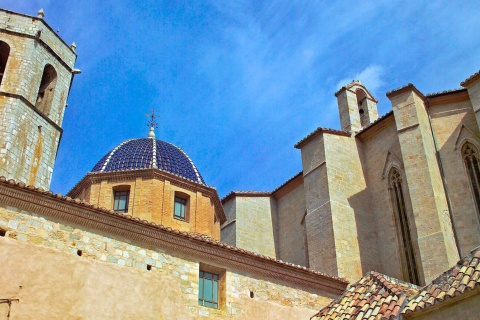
x: 46, y: 90
x: 4, y: 53
x: 362, y: 107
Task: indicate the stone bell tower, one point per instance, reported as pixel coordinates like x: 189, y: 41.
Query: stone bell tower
x: 36, y: 72
x: 357, y: 107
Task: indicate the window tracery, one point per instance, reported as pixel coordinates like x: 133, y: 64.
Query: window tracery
x: 396, y: 188
x: 470, y: 158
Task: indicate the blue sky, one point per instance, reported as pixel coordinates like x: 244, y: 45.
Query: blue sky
x: 238, y: 83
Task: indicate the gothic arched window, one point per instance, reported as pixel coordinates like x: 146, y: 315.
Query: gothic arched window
x: 46, y: 90
x: 398, y: 198
x: 470, y: 157
x: 4, y: 52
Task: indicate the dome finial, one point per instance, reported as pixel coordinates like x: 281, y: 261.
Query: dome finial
x: 151, y: 134
x: 152, y: 123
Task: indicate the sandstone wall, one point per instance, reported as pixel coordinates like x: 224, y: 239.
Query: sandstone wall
x: 111, y: 279
x: 254, y: 226
x: 432, y: 222
x: 380, y: 152
x: 339, y: 236
x: 153, y: 200
x: 228, y: 232
x: 454, y: 124
x: 29, y: 138
x: 292, y: 242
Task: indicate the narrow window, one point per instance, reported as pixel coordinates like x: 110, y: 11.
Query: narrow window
x: 407, y: 244
x: 470, y: 157
x: 46, y: 90
x: 120, y: 203
x: 208, y: 289
x: 180, y: 208
x: 4, y: 53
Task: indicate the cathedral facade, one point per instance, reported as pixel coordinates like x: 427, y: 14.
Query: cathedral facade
x: 380, y: 193
x: 143, y: 236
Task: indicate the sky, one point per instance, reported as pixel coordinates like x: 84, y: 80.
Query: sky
x: 238, y: 83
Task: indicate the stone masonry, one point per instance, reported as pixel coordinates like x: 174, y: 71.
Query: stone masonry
x: 29, y: 138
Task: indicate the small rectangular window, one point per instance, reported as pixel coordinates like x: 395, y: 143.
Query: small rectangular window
x: 121, y: 201
x: 208, y: 289
x: 180, y: 208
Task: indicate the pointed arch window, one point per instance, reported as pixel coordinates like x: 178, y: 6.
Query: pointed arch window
x: 46, y: 89
x: 470, y: 158
x: 4, y: 53
x: 398, y: 198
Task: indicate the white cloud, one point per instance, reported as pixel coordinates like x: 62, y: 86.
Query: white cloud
x: 371, y: 77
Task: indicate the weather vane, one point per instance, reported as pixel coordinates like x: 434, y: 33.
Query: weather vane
x: 152, y: 122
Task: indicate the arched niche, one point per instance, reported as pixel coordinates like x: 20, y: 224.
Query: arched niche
x: 46, y: 89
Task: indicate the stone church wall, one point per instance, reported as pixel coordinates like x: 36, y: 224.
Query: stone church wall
x: 255, y: 224
x: 291, y: 211
x: 381, y: 151
x: 110, y: 279
x: 454, y: 124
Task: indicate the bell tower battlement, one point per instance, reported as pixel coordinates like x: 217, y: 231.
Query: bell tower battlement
x: 357, y: 106
x: 36, y: 73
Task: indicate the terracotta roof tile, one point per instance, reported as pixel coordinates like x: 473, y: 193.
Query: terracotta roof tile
x: 457, y: 280
x: 470, y: 79
x: 375, y: 296
x: 319, y: 131
x: 441, y: 93
x: 245, y: 194
x: 385, y: 116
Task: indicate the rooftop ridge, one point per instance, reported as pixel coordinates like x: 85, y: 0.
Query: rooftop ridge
x: 319, y: 130
x: 470, y: 79
x: 440, y: 93
x: 461, y: 278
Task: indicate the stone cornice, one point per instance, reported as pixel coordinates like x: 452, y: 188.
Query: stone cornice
x: 130, y: 175
x: 196, y: 246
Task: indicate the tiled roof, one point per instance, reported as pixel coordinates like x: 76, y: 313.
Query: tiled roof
x: 441, y: 93
x: 286, y: 182
x: 190, y: 235
x: 470, y: 79
x: 463, y: 277
x: 231, y: 194
x: 375, y: 296
x: 386, y: 115
x: 147, y: 153
x: 398, y: 89
x: 317, y: 132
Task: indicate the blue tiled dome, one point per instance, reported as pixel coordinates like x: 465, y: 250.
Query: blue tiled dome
x: 147, y: 153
